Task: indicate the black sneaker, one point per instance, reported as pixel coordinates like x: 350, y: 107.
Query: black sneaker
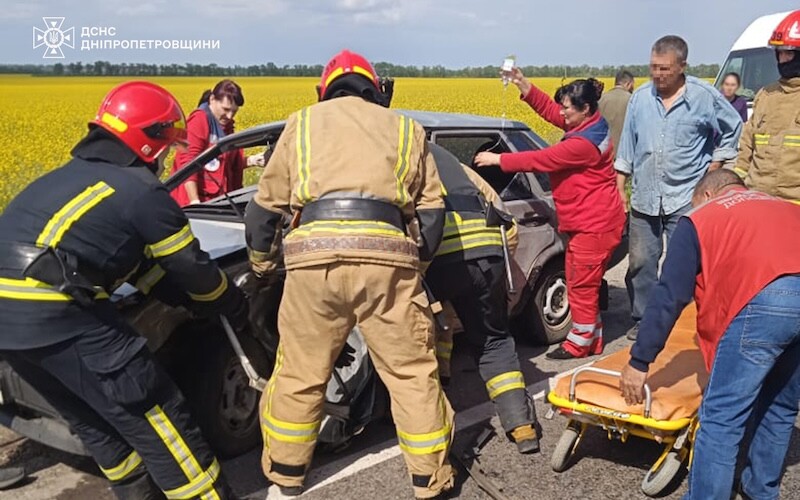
x: 560, y: 353
x: 633, y: 332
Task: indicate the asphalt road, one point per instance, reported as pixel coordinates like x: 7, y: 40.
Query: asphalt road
x: 373, y: 468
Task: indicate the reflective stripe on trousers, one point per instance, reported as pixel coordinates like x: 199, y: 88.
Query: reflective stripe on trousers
x: 124, y: 468
x: 201, y: 482
x: 504, y: 382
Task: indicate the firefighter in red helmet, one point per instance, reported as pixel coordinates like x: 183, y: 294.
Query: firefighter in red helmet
x: 352, y: 176
x: 768, y: 148
x: 68, y: 240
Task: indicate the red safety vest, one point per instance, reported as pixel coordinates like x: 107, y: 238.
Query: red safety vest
x: 747, y: 240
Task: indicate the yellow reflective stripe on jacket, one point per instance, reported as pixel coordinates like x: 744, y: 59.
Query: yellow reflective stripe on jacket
x: 179, y: 451
x: 172, y: 244
x: 303, y: 144
x: 73, y: 210
x: 761, y: 139
x: 124, y: 468
x: 444, y: 349
x: 460, y: 234
x: 403, y: 158
x: 31, y: 289
x: 201, y: 485
x: 424, y: 444
x: 454, y: 225
x: 290, y: 432
x: 150, y: 279
x: 468, y: 242
x: 740, y: 172
x: 792, y: 141
x: 504, y: 382
x: 345, y: 227
x: 215, y: 293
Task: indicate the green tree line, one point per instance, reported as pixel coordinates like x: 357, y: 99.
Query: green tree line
x: 105, y: 68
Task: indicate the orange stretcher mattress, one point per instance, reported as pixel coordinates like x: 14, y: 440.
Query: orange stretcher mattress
x: 677, y: 377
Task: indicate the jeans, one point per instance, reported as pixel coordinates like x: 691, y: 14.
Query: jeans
x: 645, y: 239
x: 756, y: 373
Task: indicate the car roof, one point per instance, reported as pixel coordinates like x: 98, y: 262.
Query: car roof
x: 434, y: 120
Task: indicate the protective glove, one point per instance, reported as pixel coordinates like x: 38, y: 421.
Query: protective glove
x: 346, y: 356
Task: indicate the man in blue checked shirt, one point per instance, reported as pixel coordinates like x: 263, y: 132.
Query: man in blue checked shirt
x: 677, y: 127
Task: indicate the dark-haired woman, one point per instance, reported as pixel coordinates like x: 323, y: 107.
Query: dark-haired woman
x: 730, y: 84
x: 589, y: 207
x: 211, y: 121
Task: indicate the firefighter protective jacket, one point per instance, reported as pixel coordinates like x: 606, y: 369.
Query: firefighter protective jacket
x: 107, y: 209
x: 466, y: 195
x: 769, y: 148
x: 346, y: 148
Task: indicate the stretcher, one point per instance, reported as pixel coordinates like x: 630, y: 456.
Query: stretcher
x: 590, y: 397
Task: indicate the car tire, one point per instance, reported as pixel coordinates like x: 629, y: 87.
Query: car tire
x: 548, y: 309
x: 217, y: 389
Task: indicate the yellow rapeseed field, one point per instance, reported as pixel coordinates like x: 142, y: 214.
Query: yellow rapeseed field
x: 42, y: 118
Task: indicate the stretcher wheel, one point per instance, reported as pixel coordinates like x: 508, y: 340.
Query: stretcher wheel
x: 655, y: 481
x: 565, y: 448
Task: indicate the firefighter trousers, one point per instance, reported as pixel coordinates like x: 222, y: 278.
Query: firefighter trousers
x: 320, y: 305
x: 588, y: 255
x: 126, y: 410
x: 477, y: 290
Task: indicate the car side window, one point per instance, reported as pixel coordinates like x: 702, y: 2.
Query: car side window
x: 465, y: 147
x: 518, y: 189
x: 524, y: 141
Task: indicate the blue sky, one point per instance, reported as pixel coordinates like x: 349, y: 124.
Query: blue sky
x: 453, y: 33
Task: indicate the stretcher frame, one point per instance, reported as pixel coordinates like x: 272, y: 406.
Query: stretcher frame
x: 676, y: 436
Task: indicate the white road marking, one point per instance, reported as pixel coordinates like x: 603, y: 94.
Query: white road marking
x: 351, y: 464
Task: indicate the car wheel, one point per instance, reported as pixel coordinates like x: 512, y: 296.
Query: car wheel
x: 218, y: 392
x: 549, y: 311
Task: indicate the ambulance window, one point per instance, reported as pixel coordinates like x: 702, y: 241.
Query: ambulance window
x: 756, y: 68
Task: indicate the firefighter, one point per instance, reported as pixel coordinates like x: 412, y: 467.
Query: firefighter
x: 352, y: 176
x: 469, y: 272
x: 769, y: 149
x: 68, y: 240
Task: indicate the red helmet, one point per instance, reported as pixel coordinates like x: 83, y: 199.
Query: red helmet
x: 343, y: 63
x: 787, y: 35
x: 144, y: 116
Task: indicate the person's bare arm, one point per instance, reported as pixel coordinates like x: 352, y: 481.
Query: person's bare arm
x: 191, y: 191
x: 621, y: 180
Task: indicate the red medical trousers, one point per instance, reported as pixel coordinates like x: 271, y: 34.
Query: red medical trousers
x: 587, y: 256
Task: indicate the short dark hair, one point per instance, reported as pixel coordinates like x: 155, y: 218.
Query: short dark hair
x: 672, y: 43
x: 735, y: 75
x: 224, y: 88
x: 623, y: 76
x: 581, y: 92
x: 714, y: 181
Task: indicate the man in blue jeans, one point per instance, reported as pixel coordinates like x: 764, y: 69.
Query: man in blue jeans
x: 677, y: 127
x: 737, y: 255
